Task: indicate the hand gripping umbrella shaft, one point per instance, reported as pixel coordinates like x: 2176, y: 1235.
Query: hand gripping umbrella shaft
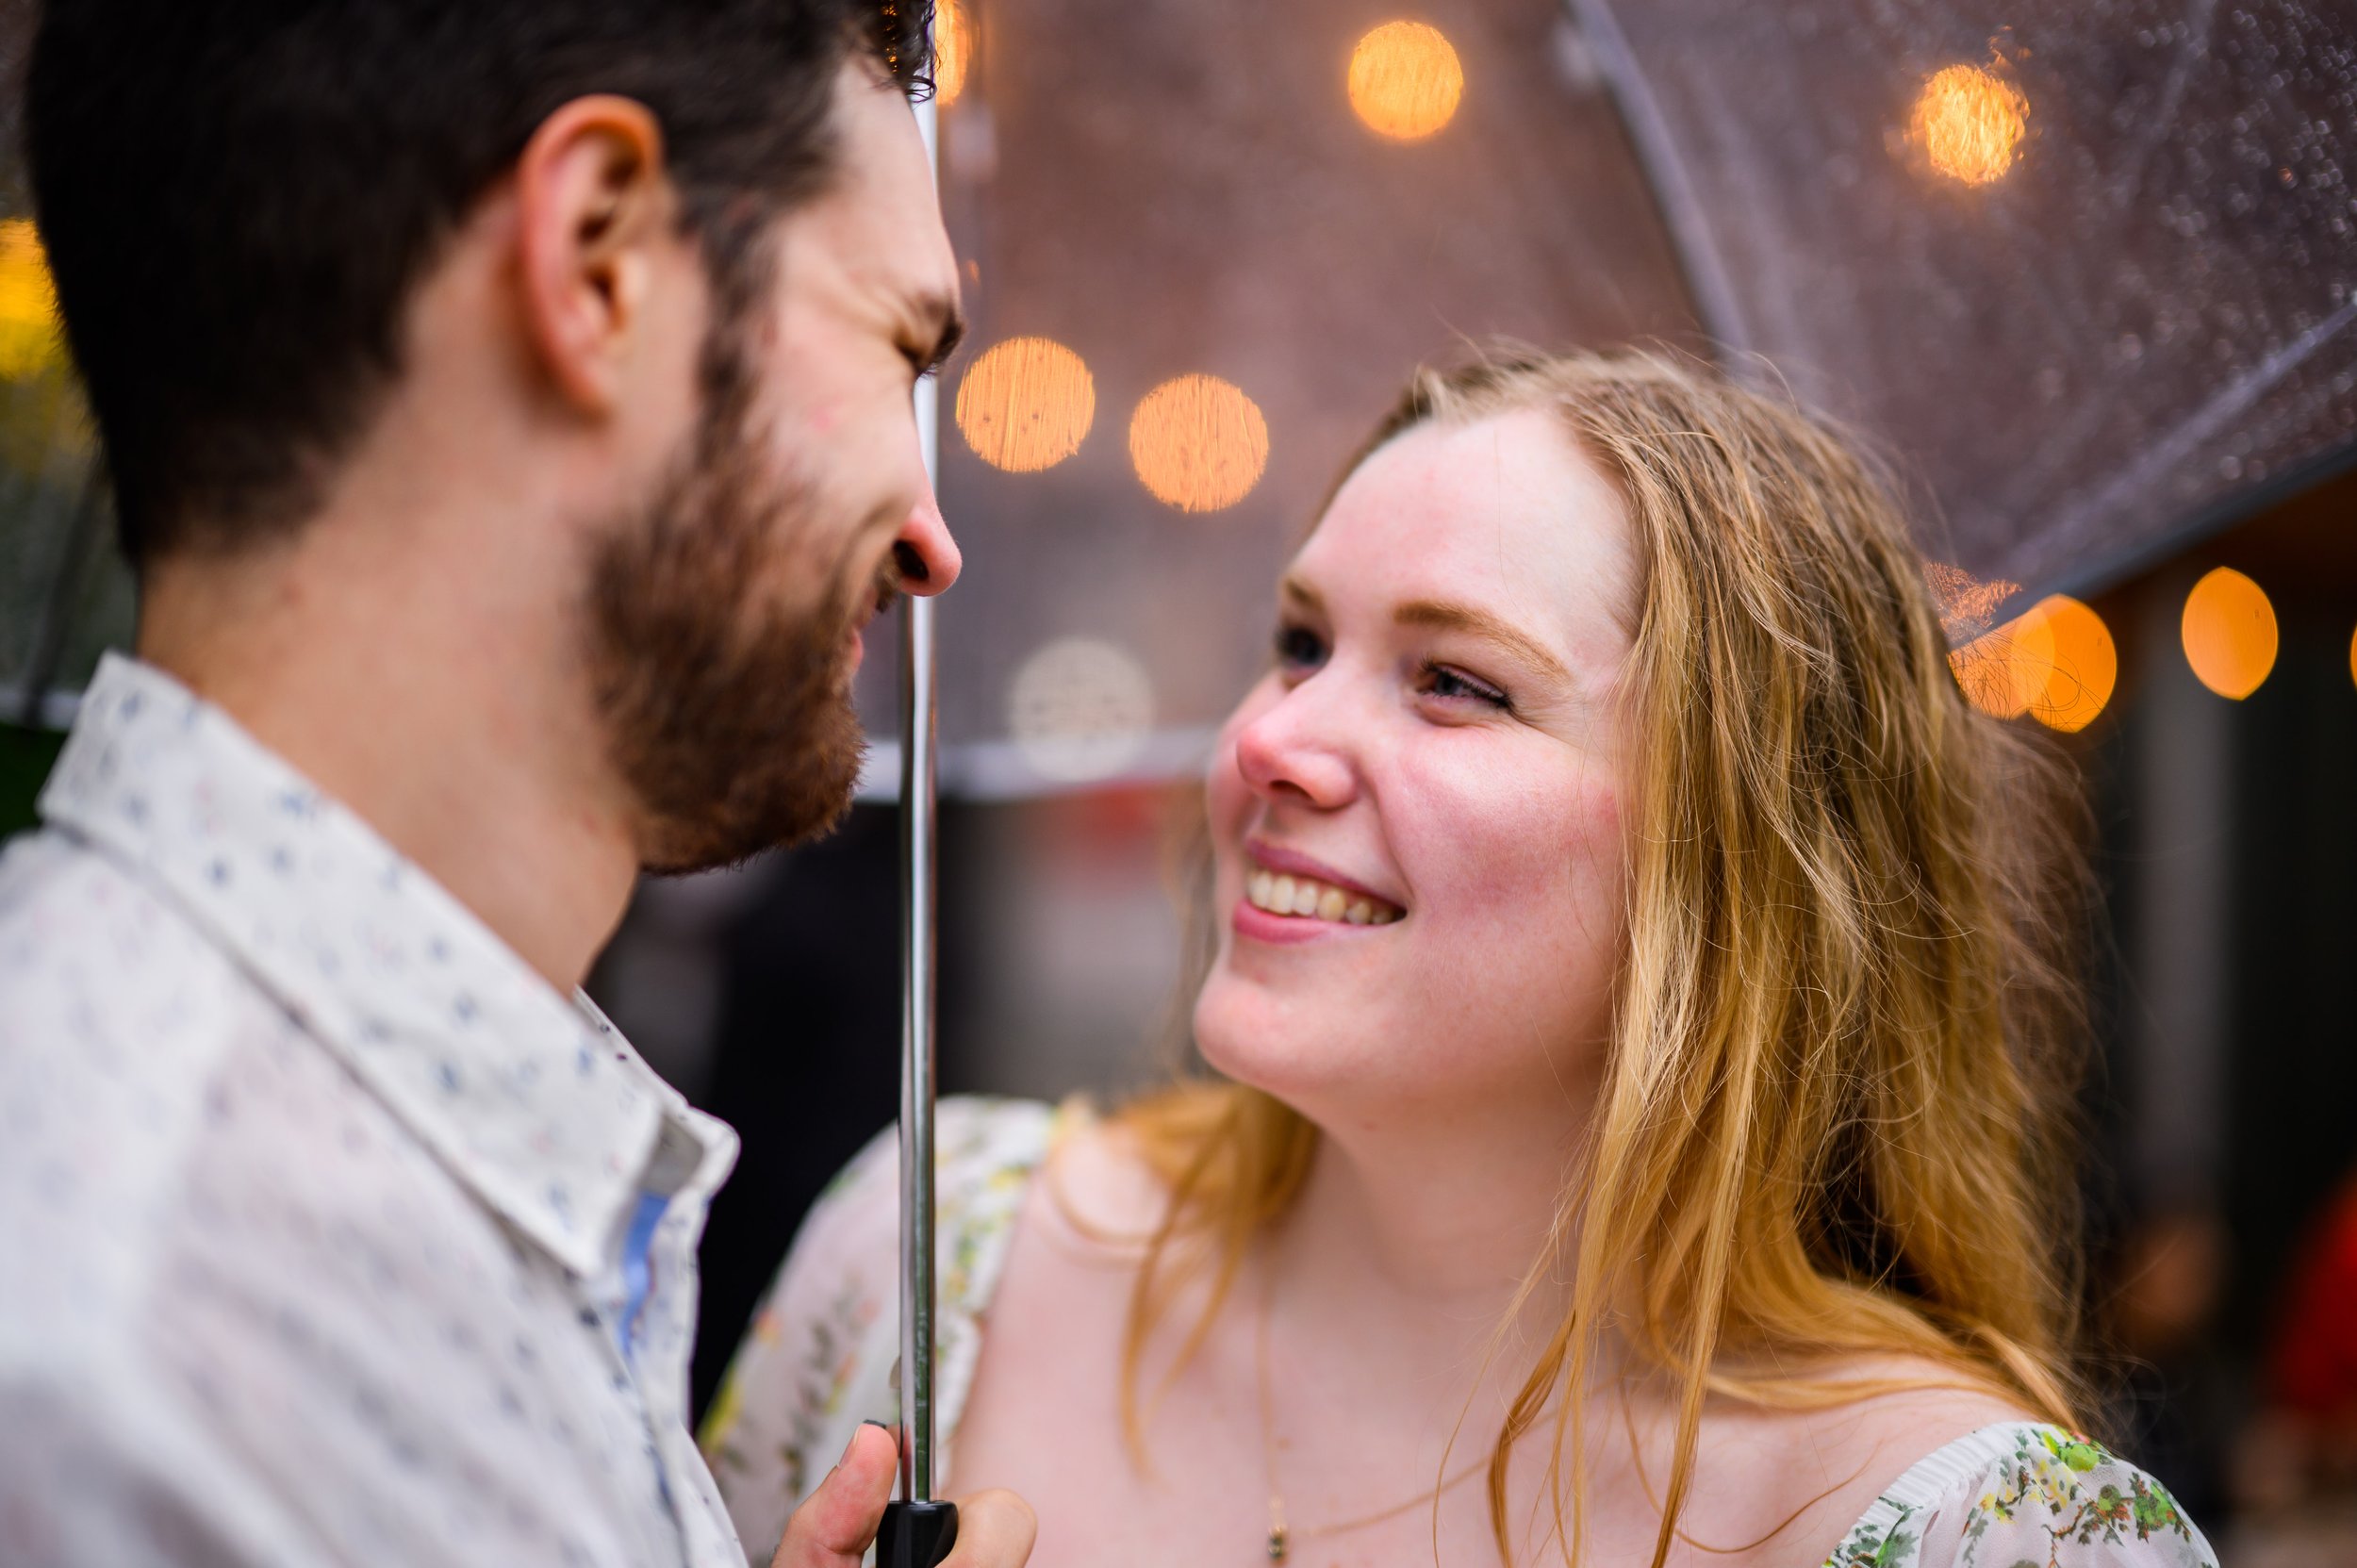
x: 917, y: 1531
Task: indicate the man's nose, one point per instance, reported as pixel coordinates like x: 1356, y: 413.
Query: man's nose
x: 923, y: 553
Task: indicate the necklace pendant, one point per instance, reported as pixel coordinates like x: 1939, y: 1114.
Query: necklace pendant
x: 1276, y: 1545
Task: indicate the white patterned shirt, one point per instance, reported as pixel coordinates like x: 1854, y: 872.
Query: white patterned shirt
x: 314, y: 1197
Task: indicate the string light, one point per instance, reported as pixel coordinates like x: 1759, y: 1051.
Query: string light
x: 2229, y: 632
x: 2055, y: 662
x: 1970, y: 123
x: 1025, y: 405
x: 1079, y: 710
x: 1406, y: 81
x: 1198, y: 443
x: 2078, y: 684
x: 952, y: 40
x: 2004, y: 670
x: 28, y: 302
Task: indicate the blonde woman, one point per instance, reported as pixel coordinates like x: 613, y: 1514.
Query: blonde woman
x: 1640, y: 990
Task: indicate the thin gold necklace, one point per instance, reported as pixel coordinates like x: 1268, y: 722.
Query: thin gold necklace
x: 1280, y: 1536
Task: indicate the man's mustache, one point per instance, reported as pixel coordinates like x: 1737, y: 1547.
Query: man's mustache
x: 885, y: 591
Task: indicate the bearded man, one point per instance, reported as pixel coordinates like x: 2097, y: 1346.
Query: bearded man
x: 507, y: 407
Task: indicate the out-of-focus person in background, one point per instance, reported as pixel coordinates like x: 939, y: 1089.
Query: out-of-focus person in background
x: 2295, y: 1475
x: 508, y: 408
x: 1644, y: 995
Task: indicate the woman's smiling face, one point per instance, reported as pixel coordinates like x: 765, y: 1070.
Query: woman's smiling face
x: 1417, y: 813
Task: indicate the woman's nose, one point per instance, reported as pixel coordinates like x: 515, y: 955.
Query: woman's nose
x: 1296, y: 750
x: 923, y: 555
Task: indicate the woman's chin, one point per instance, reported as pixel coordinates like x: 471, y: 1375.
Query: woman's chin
x: 1279, y: 1046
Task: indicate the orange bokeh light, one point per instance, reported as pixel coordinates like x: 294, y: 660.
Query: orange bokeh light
x: 2085, y: 666
x: 1198, y: 443
x: 2056, y: 662
x: 2004, y: 670
x: 2229, y: 631
x: 1406, y: 81
x: 28, y: 302
x: 1970, y: 123
x: 1025, y: 405
x: 952, y: 40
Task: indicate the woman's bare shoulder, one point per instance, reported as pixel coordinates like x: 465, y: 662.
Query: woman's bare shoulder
x: 1790, y: 1484
x: 1097, y: 1196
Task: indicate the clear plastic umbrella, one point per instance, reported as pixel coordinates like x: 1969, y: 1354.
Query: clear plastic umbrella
x: 2085, y: 274
x: 2086, y: 279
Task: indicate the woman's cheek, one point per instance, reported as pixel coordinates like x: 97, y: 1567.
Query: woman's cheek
x: 1528, y: 856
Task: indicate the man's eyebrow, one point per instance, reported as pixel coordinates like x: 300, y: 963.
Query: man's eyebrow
x: 1445, y: 616
x: 939, y: 315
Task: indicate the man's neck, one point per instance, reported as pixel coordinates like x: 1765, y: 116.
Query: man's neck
x: 421, y: 691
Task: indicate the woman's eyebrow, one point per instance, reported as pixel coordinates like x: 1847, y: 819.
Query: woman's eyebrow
x: 1443, y: 616
x: 1301, y: 593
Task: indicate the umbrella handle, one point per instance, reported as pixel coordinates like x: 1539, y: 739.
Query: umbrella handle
x: 917, y: 1535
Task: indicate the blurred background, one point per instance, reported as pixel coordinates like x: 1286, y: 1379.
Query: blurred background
x: 2084, y: 274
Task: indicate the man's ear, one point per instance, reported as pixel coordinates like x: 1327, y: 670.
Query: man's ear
x: 592, y: 202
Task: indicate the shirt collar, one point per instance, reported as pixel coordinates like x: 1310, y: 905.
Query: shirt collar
x: 533, y: 1100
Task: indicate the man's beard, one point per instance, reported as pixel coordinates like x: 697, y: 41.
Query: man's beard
x: 730, y: 719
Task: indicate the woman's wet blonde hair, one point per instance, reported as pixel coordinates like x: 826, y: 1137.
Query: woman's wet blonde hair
x: 1833, y: 1118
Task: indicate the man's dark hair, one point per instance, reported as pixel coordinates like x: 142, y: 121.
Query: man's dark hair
x: 239, y: 196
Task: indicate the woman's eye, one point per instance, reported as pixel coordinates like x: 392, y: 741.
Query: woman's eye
x: 1455, y: 685
x: 1299, y: 649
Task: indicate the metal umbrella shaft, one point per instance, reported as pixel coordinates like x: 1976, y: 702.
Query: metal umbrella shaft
x: 917, y: 1530
x: 917, y: 824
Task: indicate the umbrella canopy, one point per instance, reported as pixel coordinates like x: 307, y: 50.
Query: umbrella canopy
x: 2085, y: 280
x: 1204, y: 245
x: 2090, y: 276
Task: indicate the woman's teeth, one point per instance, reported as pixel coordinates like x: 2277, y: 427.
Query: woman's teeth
x: 1302, y: 897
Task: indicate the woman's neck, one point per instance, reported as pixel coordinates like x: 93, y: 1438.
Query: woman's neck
x: 1409, y: 1241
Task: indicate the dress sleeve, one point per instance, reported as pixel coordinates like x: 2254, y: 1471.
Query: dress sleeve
x: 816, y: 1360
x: 2033, y: 1495
x: 821, y: 1356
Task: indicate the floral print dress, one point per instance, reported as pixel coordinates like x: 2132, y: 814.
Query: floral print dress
x: 820, y: 1357
x: 2019, y: 1494
x: 823, y: 1350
